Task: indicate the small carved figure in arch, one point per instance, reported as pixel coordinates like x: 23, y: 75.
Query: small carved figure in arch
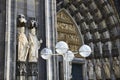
x: 98, y: 69
x: 106, y: 66
x: 116, y: 67
x: 90, y: 70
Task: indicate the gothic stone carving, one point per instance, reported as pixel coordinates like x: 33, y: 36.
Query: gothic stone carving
x: 21, y: 21
x: 116, y: 67
x: 34, y: 43
x: 90, y: 70
x: 22, y: 39
x: 106, y: 67
x: 67, y: 32
x: 98, y: 69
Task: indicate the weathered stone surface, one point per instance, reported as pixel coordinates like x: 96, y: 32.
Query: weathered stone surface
x: 2, y: 38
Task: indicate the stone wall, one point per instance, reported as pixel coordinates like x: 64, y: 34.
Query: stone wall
x: 2, y: 38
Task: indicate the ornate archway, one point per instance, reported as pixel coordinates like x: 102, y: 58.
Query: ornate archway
x: 68, y: 31
x: 99, y: 26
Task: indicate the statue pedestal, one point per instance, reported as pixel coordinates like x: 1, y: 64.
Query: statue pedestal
x: 32, y: 71
x: 21, y: 71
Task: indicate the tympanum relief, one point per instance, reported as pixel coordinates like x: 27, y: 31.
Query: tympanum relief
x: 67, y: 30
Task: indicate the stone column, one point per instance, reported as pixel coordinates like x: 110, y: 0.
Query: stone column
x: 50, y: 24
x: 2, y: 38
x: 10, y: 41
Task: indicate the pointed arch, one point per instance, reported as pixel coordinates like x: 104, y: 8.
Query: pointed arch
x: 68, y: 30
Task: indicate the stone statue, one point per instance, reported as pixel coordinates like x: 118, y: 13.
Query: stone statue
x: 34, y: 43
x: 116, y: 67
x: 22, y: 39
x: 90, y: 70
x: 98, y: 69
x: 22, y: 45
x: 21, y: 21
x: 106, y: 66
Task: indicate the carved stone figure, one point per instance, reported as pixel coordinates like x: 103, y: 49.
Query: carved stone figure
x: 22, y: 39
x: 22, y: 45
x: 98, y: 69
x: 34, y: 44
x: 116, y: 67
x: 21, y: 21
x: 106, y: 67
x: 90, y: 70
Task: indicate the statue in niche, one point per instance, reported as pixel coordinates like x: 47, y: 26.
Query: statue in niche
x: 106, y: 66
x: 98, y: 69
x: 116, y: 67
x: 23, y: 45
x: 33, y: 42
x: 90, y: 70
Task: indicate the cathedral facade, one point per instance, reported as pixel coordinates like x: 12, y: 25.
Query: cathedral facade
x: 28, y: 26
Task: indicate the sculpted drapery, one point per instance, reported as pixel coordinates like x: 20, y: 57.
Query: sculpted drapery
x: 116, y: 67
x: 90, y: 70
x: 98, y: 69
x: 22, y: 45
x: 34, y: 45
x: 106, y: 67
x: 27, y: 47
